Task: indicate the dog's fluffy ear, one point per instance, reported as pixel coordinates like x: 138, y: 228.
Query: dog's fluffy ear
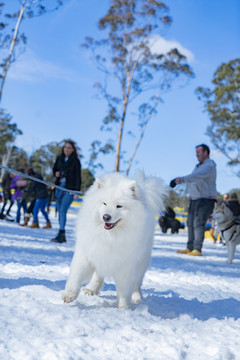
x: 222, y: 205
x: 98, y: 183
x: 133, y: 188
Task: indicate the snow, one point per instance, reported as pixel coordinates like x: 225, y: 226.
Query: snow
x: 190, y: 310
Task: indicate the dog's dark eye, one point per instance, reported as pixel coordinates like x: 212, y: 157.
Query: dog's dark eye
x: 119, y: 206
x: 104, y: 204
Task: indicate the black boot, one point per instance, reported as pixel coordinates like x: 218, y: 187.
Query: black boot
x: 60, y: 238
x: 2, y: 216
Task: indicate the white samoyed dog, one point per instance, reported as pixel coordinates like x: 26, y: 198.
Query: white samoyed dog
x: 114, y: 234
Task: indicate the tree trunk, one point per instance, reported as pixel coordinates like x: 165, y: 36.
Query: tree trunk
x: 125, y: 101
x: 5, y: 160
x: 117, y: 166
x: 14, y: 38
x: 142, y: 133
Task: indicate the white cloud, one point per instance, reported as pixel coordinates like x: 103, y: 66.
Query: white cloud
x: 33, y: 69
x: 29, y: 67
x: 161, y: 46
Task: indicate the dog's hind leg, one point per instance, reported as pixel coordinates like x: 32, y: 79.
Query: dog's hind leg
x: 142, y: 267
x: 136, y: 295
x: 231, y: 246
x: 94, y: 285
x: 80, y: 272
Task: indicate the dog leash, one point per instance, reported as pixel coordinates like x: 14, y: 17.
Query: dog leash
x: 78, y: 193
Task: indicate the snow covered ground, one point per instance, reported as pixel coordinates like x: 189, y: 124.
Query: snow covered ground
x: 191, y: 306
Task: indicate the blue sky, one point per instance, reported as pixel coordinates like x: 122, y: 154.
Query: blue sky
x: 49, y: 90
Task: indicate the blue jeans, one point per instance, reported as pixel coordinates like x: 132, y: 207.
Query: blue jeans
x: 40, y: 204
x: 20, y: 204
x: 198, y: 213
x: 63, y: 202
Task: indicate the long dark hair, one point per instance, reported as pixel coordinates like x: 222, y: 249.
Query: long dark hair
x: 72, y: 143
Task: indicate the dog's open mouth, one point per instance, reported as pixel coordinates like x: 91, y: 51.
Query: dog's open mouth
x: 109, y: 226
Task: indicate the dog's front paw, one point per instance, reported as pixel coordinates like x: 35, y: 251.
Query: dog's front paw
x: 69, y: 295
x: 88, y: 292
x: 136, y: 297
x: 122, y: 303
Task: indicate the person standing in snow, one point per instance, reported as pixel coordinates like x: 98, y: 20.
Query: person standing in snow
x: 225, y: 198
x: 30, y: 198
x: 234, y: 205
x: 41, y: 199
x: 203, y: 194
x: 7, y: 195
x: 18, y: 184
x: 67, y: 170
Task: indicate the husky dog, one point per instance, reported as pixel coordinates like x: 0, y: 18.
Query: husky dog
x: 114, y: 232
x: 228, y: 226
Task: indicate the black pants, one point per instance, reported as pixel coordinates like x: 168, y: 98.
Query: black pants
x: 198, y: 213
x: 6, y: 199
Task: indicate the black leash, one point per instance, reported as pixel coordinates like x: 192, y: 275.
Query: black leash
x: 78, y: 193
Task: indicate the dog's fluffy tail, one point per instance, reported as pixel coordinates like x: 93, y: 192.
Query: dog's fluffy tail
x: 154, y: 189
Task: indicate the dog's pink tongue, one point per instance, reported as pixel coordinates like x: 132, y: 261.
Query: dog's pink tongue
x: 108, y: 226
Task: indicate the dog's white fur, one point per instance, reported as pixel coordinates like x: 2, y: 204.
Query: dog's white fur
x: 229, y: 228
x: 122, y: 251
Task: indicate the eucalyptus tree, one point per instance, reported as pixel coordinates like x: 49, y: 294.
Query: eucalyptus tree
x: 43, y: 159
x: 8, y: 133
x: 133, y: 66
x: 96, y: 149
x: 10, y: 35
x: 222, y: 103
x: 87, y: 179
x: 18, y: 159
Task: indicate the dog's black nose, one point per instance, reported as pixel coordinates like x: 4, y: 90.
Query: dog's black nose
x: 106, y: 217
